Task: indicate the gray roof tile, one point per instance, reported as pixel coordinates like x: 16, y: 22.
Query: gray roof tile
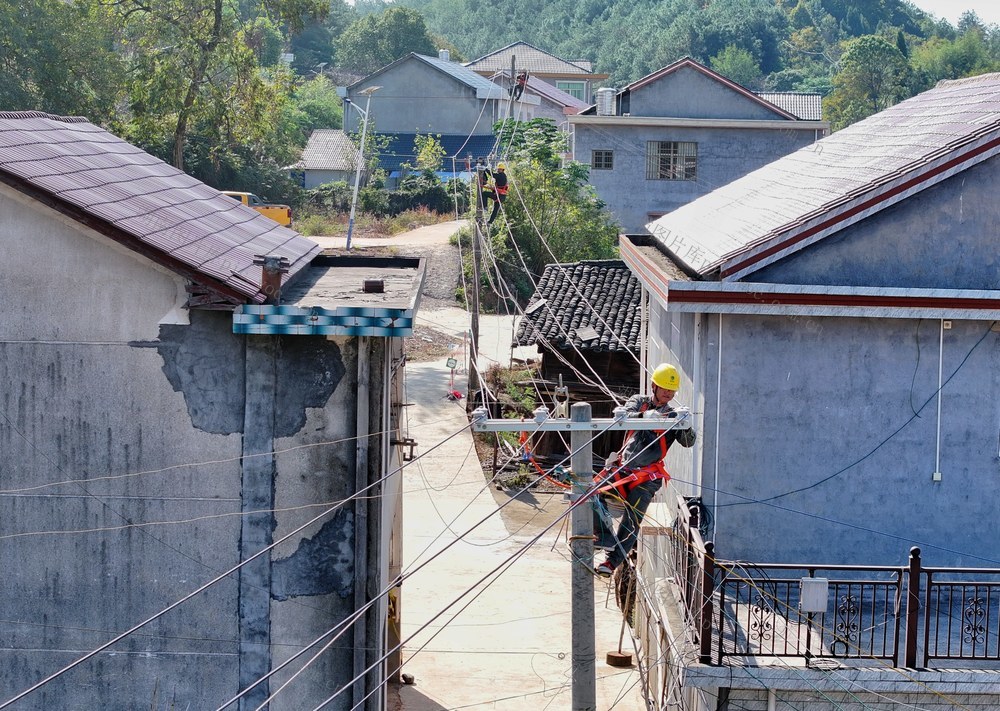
x: 605, y: 298
x: 145, y: 200
x: 808, y: 107
x: 772, y: 206
x: 328, y: 149
x: 536, y: 61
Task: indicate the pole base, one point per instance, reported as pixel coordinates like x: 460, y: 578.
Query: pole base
x: 619, y: 659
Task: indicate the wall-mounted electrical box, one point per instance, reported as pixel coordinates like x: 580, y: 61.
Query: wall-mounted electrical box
x: 813, y: 593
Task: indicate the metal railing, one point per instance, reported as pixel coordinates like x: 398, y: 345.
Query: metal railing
x: 908, y: 615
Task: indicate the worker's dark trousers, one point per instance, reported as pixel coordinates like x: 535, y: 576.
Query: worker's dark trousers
x: 636, y: 502
x: 496, y: 207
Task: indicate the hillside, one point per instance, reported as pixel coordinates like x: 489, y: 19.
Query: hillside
x: 777, y: 45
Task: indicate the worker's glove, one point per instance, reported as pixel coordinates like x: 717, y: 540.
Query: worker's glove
x: 685, y: 438
x: 612, y: 461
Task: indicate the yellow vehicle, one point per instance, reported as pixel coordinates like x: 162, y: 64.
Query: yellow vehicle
x: 282, y: 214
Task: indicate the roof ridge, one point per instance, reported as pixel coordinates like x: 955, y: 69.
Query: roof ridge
x: 43, y: 115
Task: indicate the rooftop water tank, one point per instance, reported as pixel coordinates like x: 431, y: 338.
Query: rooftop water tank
x: 606, y: 101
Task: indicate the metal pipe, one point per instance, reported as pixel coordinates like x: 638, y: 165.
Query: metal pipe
x: 584, y: 671
x: 937, y: 449
x: 718, y: 420
x: 361, y: 518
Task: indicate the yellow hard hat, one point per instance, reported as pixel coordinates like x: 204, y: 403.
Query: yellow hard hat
x: 501, y: 166
x: 666, y: 377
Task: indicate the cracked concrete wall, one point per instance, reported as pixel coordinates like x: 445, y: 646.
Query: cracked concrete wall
x: 149, y: 420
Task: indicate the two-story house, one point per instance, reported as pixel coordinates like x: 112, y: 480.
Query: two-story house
x: 835, y: 315
x: 576, y: 78
x: 678, y: 134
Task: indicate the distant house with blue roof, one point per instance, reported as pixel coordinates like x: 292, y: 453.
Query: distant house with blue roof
x: 421, y: 95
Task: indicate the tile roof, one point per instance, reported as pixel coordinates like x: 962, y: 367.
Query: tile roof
x: 838, y: 181
x: 137, y: 199
x: 536, y: 61
x: 808, y: 107
x: 605, y: 298
x: 328, y: 149
x: 402, y: 149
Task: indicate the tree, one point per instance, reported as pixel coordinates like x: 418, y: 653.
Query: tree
x: 374, y: 41
x: 552, y: 213
x: 737, y: 64
x: 186, y: 55
x: 430, y: 152
x: 872, y: 77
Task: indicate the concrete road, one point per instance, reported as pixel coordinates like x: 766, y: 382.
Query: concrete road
x: 507, y: 645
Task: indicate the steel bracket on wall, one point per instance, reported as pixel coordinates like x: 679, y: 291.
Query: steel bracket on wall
x: 409, y: 443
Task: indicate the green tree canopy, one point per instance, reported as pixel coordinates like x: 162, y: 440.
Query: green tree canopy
x: 873, y: 76
x: 375, y: 40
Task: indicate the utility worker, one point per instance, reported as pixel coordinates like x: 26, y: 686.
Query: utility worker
x: 519, y: 82
x: 499, y: 193
x: 640, y: 471
x: 484, y: 184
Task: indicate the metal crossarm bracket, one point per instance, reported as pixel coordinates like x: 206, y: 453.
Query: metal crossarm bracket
x: 680, y: 420
x: 408, y: 443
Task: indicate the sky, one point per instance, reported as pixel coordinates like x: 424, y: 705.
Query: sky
x: 951, y: 10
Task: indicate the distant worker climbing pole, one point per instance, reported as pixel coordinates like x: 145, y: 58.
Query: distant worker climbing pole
x: 499, y: 193
x: 639, y: 471
x: 519, y: 83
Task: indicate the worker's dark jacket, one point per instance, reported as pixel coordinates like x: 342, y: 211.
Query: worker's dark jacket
x: 642, y: 444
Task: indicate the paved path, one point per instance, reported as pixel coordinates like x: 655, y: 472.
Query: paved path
x: 420, y: 237
x: 510, y: 649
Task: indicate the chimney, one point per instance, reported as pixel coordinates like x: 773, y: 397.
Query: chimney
x: 270, y: 280
x: 444, y: 55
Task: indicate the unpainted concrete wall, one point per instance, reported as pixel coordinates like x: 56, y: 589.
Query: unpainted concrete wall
x: 137, y: 466
x: 724, y: 154
x: 416, y: 97
x: 845, y: 410
x: 855, y: 699
x: 687, y: 93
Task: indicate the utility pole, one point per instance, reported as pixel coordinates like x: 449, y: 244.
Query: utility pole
x: 513, y: 82
x: 583, y: 430
x: 474, y: 385
x: 582, y: 549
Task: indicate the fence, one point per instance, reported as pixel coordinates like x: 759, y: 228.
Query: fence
x: 908, y: 615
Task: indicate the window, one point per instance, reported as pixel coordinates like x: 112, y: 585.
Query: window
x: 602, y: 160
x: 576, y: 89
x: 671, y: 160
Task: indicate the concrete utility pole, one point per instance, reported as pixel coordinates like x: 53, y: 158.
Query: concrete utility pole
x: 474, y: 302
x: 582, y: 548
x: 583, y: 430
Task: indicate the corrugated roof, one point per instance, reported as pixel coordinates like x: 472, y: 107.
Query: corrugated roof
x: 808, y: 107
x: 605, y: 299
x: 824, y: 187
x: 463, y: 74
x: 402, y: 149
x: 533, y: 59
x: 328, y: 149
x: 143, y: 202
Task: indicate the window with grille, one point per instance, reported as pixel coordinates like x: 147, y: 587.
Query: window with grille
x: 671, y: 160
x: 602, y: 160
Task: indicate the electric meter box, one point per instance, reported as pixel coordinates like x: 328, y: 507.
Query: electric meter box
x: 813, y: 594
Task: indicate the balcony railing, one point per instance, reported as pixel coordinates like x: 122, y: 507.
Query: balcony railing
x: 908, y: 616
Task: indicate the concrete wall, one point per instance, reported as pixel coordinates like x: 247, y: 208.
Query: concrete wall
x: 167, y: 430
x: 724, y: 154
x: 416, y: 97
x: 944, y: 238
x: 851, y: 401
x: 853, y: 698
x: 313, y: 178
x: 687, y: 93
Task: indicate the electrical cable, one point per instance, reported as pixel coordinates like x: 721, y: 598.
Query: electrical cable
x: 209, y: 584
